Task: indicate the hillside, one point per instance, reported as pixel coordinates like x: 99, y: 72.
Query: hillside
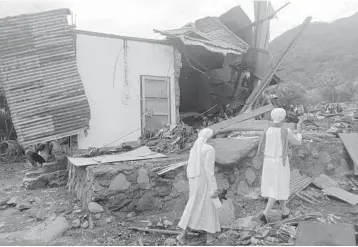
x: 322, y: 45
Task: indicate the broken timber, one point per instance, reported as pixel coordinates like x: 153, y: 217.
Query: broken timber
x: 350, y: 141
x: 158, y: 231
x: 267, y: 79
x: 240, y: 118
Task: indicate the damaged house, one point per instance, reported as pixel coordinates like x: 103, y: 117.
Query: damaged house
x: 219, y: 64
x: 105, y: 89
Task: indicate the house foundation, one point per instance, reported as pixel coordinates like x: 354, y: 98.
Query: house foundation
x: 136, y: 185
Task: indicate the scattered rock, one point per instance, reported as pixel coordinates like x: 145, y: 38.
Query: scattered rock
x: 243, y: 188
x: 227, y: 213
x: 76, y: 223
x: 38, y: 202
x: 96, y: 187
x: 256, y: 163
x: 167, y: 223
x: 110, y: 219
x: 131, y: 214
x: 222, y: 182
x: 37, y: 213
x: 329, y: 166
x: 314, y: 152
x: 118, y: 205
x: 85, y: 225
x: 250, y: 176
x: 53, y: 166
x: 48, y: 231
x: 142, y: 176
x: 324, y: 182
x: 148, y: 202
x: 119, y: 183
x: 97, y: 216
x: 229, y: 234
x: 95, y: 208
x: 4, y: 200
x: 324, y: 157
x: 247, y: 223
x: 3, y: 207
x: 170, y: 242
x: 231, y: 151
x: 23, y: 206
x: 13, y: 201
x: 181, y: 186
x: 54, y: 179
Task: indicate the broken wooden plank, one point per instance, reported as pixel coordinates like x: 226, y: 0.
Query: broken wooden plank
x: 169, y: 232
x: 309, y: 197
x: 267, y: 79
x: 342, y: 195
x: 172, y: 167
x: 304, y: 198
x: 324, y: 182
x: 142, y: 153
x: 350, y: 141
x: 240, y: 118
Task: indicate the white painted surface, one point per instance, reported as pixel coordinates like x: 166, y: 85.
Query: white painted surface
x: 111, y: 119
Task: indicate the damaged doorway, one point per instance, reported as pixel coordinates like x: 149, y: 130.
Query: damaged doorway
x: 155, y: 102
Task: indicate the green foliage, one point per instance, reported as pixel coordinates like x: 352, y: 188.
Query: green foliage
x: 289, y: 93
x: 321, y: 46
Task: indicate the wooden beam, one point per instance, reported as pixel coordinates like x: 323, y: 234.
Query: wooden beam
x: 269, y: 17
x: 240, y: 118
x: 267, y: 79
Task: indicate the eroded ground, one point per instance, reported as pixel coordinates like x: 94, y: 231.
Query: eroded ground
x: 112, y: 228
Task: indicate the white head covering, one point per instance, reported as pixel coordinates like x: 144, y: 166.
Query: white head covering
x: 278, y: 115
x: 193, y: 168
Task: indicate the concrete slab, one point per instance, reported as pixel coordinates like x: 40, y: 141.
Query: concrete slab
x: 320, y: 234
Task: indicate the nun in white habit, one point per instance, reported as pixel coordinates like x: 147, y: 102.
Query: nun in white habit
x: 200, y: 212
x: 275, y: 182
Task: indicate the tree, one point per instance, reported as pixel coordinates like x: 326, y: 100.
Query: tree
x: 328, y: 82
x: 289, y: 93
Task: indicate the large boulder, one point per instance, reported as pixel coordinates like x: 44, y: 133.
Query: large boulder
x: 47, y: 231
x: 53, y: 179
x: 231, y: 151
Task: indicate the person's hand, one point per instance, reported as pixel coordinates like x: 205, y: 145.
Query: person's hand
x: 214, y: 194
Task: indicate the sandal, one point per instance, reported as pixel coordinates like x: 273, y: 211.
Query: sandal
x: 263, y: 218
x: 285, y: 216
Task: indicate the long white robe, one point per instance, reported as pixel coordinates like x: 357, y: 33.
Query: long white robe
x: 275, y: 181
x: 200, y: 212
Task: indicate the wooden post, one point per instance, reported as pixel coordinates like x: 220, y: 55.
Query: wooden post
x: 265, y: 82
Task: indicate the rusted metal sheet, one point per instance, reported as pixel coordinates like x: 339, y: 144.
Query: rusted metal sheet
x: 39, y: 74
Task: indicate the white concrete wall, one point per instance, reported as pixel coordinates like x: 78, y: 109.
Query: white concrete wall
x: 110, y: 118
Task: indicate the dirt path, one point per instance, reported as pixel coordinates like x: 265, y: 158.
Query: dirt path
x: 112, y: 228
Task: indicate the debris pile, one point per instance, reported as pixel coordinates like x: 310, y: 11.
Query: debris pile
x: 11, y: 151
x: 170, y: 139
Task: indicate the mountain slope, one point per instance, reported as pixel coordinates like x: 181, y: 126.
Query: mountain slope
x: 322, y: 45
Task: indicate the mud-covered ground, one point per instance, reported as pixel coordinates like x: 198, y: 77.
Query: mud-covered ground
x: 113, y: 226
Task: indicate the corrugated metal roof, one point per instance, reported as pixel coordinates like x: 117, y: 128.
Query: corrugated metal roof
x: 40, y: 78
x: 210, y: 32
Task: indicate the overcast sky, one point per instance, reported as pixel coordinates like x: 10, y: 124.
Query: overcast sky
x: 139, y: 17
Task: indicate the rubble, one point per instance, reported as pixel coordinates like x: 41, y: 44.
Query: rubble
x: 231, y: 151
x: 95, y: 208
x: 170, y: 139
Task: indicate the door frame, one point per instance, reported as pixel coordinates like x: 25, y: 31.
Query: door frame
x: 142, y: 97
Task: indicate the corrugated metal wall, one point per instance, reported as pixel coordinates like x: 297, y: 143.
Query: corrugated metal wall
x: 38, y: 72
